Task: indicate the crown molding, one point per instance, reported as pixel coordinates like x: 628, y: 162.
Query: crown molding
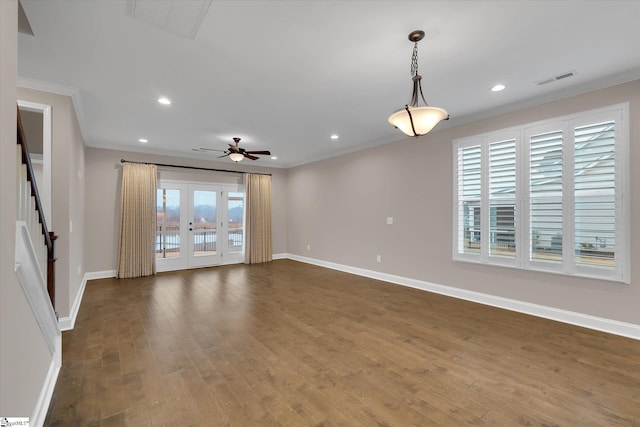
x: 59, y: 89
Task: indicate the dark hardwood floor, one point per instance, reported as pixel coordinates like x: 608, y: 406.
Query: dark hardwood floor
x: 291, y: 344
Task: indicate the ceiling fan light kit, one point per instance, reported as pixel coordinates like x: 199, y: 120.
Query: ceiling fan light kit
x: 413, y: 119
x: 236, y: 157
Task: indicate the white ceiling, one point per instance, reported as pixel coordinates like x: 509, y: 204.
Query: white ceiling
x: 285, y: 75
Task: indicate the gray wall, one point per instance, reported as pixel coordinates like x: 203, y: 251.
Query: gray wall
x: 24, y: 356
x: 339, y: 207
x: 103, y: 198
x: 32, y: 125
x: 67, y: 194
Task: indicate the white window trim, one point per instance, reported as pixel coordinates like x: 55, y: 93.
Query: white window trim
x: 622, y: 271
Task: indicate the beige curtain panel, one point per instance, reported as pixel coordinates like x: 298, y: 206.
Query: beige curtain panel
x: 136, y: 257
x: 258, y: 233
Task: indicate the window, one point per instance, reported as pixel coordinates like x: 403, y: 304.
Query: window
x: 545, y: 195
x: 549, y: 196
x: 469, y: 199
x: 502, y: 198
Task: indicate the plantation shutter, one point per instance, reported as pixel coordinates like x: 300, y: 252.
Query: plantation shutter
x: 549, y: 196
x: 594, y: 194
x: 545, y: 196
x: 502, y: 198
x: 469, y: 197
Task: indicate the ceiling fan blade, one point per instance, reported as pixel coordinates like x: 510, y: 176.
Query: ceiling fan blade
x: 235, y: 149
x: 224, y: 155
x: 206, y: 149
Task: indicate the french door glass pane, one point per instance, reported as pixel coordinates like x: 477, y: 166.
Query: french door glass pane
x: 204, y: 222
x: 167, y: 223
x: 235, y: 206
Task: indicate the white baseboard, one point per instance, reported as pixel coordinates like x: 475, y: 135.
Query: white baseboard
x: 44, y: 400
x: 106, y: 274
x: 67, y: 323
x: 615, y: 327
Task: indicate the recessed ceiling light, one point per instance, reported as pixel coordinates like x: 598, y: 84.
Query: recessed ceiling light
x: 164, y: 101
x: 274, y: 157
x: 497, y: 88
x: 334, y: 136
x: 143, y: 140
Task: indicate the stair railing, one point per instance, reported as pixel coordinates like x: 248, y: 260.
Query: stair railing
x: 29, y: 210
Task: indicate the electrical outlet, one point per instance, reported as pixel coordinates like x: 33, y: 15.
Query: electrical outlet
x: 378, y: 258
x: 389, y: 220
x: 308, y: 247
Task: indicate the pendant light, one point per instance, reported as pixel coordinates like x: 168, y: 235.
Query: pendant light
x: 413, y: 119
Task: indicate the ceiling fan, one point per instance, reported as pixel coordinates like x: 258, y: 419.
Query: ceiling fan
x: 237, y: 153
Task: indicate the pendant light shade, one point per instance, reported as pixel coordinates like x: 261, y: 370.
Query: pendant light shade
x: 413, y: 119
x: 416, y: 121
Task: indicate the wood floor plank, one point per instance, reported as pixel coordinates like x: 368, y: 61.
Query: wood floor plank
x: 291, y: 344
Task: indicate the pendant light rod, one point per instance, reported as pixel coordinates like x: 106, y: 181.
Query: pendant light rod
x: 413, y: 119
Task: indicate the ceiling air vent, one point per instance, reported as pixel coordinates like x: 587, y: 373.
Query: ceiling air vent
x: 556, y: 78
x: 177, y: 16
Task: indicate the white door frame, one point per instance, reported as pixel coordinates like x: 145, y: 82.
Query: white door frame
x: 44, y: 188
x: 176, y: 262
x: 204, y: 260
x: 187, y: 258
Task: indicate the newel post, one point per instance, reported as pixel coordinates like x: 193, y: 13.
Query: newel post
x: 51, y: 269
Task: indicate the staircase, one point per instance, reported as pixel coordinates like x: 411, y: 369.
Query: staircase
x: 35, y: 250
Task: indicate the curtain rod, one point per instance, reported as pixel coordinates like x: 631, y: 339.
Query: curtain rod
x: 191, y: 167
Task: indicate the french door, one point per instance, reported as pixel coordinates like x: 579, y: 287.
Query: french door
x: 198, y: 225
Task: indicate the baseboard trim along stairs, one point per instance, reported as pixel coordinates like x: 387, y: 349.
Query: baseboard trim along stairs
x: 67, y: 323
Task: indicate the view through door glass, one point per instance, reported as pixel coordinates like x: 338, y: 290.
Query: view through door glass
x: 198, y: 225
x: 167, y: 223
x: 235, y: 215
x: 204, y: 223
